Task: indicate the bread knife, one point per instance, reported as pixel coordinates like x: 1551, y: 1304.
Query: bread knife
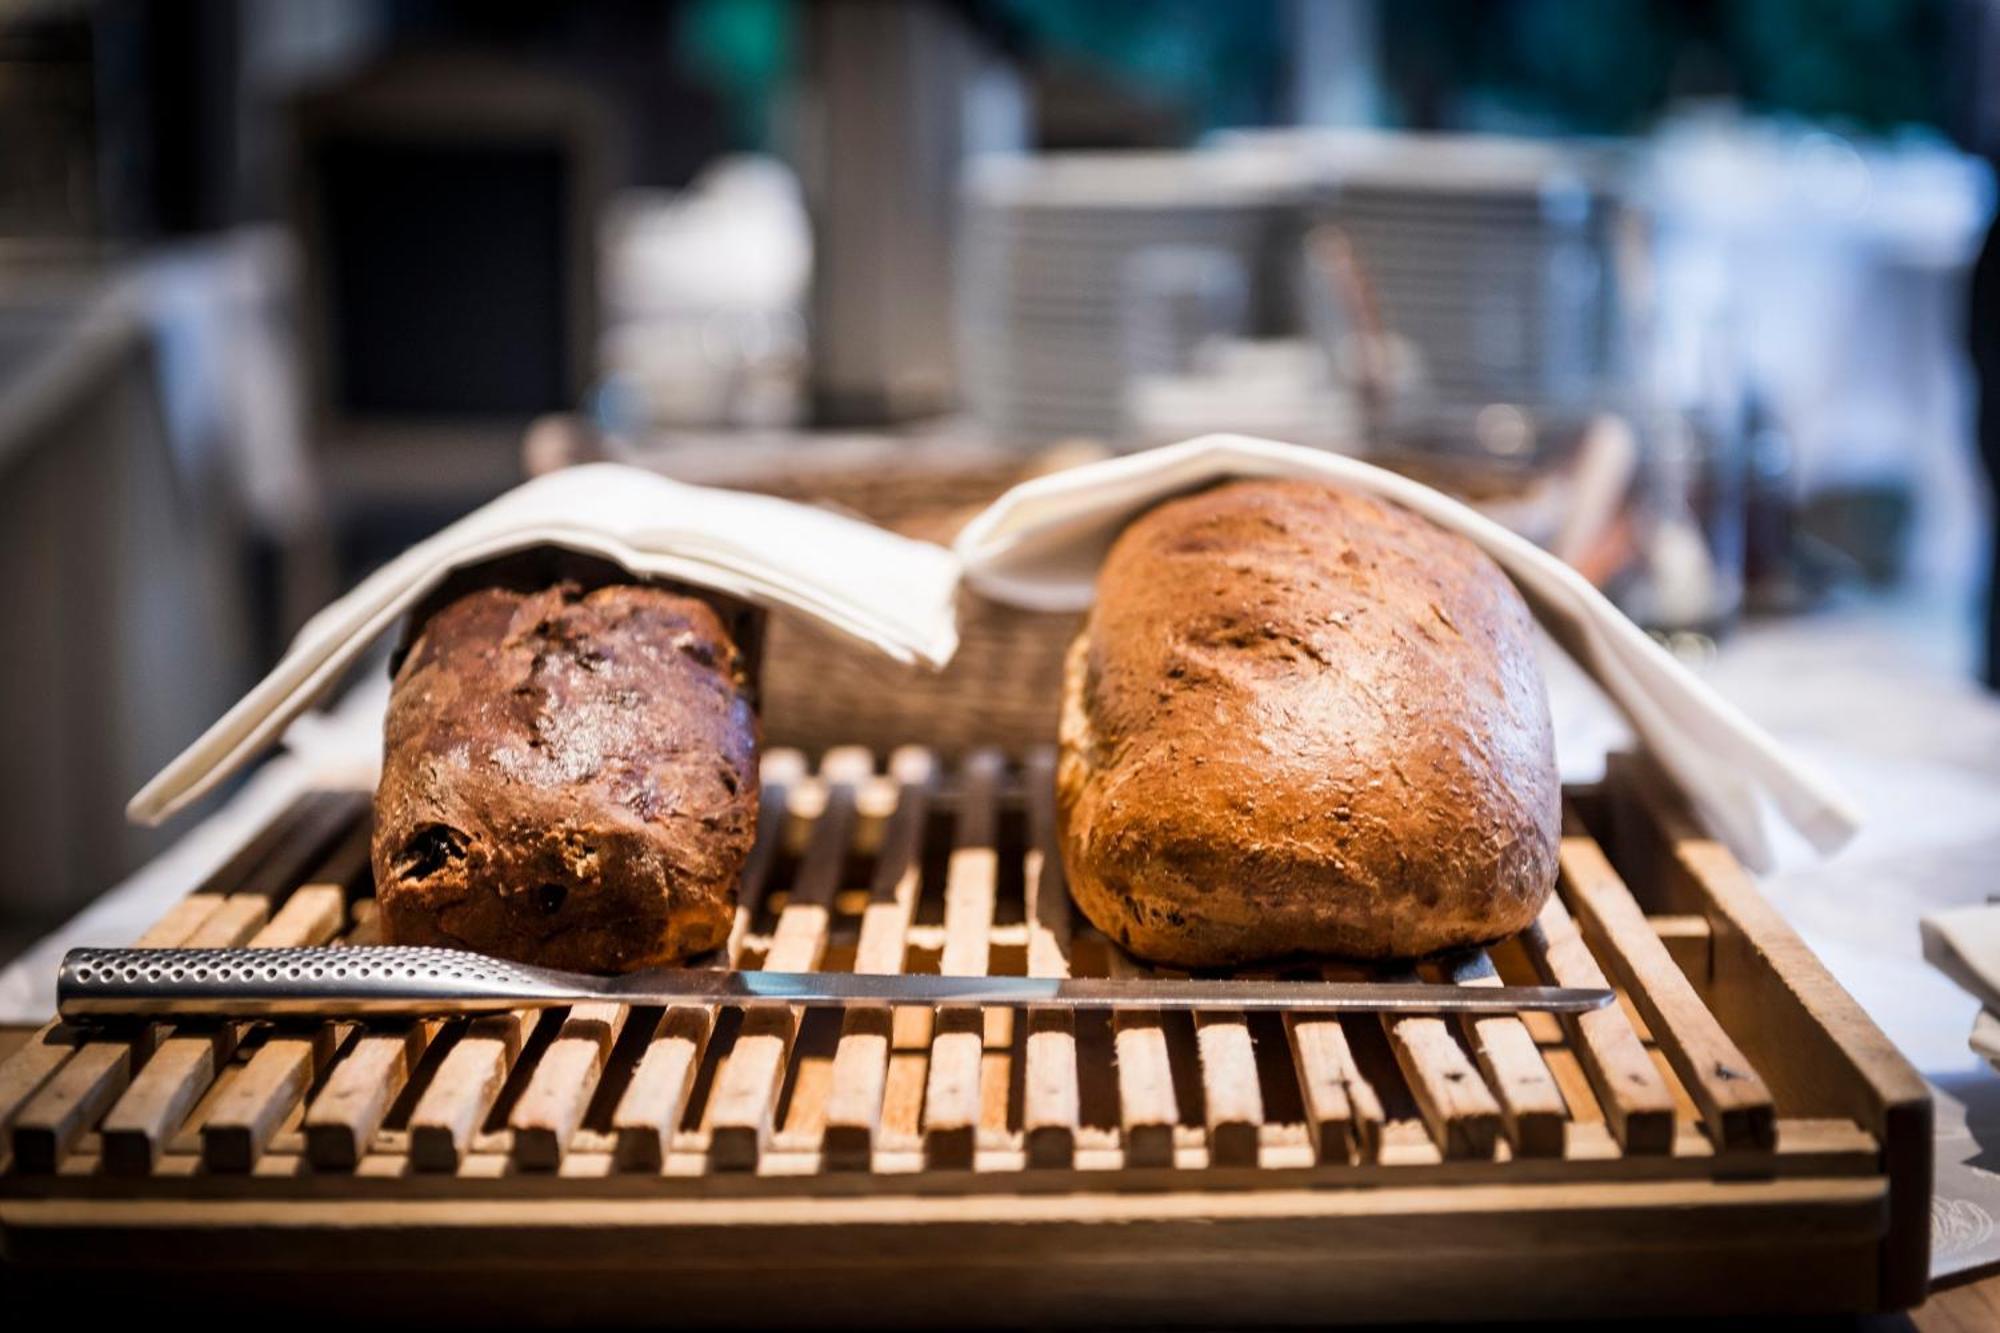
x: 396, y: 980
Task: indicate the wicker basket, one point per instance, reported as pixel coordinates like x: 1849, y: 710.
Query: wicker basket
x: 1003, y: 688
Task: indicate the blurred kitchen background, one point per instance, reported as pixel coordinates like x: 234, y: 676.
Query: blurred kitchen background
x: 1684, y: 290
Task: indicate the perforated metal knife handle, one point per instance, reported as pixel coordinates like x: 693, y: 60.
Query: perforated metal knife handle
x: 386, y: 979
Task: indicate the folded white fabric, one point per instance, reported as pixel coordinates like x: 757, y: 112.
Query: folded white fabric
x: 1985, y: 1039
x: 1039, y: 546
x: 873, y: 586
x: 1964, y: 944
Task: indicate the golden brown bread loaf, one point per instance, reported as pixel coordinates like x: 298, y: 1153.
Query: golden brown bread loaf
x: 1304, y: 721
x: 569, y: 778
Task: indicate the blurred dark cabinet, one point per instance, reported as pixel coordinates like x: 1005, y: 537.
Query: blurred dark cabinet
x: 447, y: 212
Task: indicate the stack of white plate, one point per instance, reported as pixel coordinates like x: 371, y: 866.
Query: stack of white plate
x: 1492, y: 256
x: 1043, y: 250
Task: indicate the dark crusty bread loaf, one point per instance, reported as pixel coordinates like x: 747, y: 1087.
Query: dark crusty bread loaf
x: 569, y: 778
x: 1304, y: 721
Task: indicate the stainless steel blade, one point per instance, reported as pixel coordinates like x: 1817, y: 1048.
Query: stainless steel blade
x: 97, y: 983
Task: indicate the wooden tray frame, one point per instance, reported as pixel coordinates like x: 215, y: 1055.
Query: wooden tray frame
x: 1735, y: 1137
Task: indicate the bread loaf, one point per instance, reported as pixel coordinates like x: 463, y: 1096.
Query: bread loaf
x: 569, y: 778
x: 1304, y: 721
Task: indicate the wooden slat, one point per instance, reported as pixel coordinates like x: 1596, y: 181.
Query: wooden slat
x: 462, y: 1091
x: 1457, y: 1106
x: 1148, y: 1107
x: 746, y: 1090
x: 1638, y: 1106
x: 350, y: 1108
x: 1343, y: 1112
x: 958, y: 1043
x: 799, y: 1114
x: 551, y: 1107
x: 902, y: 1128
x: 240, y: 916
x: 745, y: 1096
x: 313, y: 915
x: 798, y: 1132
x: 1532, y: 1109
x: 70, y: 1103
x: 783, y: 773
x: 650, y: 1109
x: 1734, y: 1103
x: 245, y: 1117
x: 328, y: 847
x: 861, y: 1062
x: 264, y: 1094
x: 996, y: 1137
x: 144, y: 1119
x: 364, y: 924
x: 241, y: 1122
x: 1232, y: 1098
x: 182, y: 920
x: 364, y: 1084
x: 137, y: 1130
x: 28, y: 1070
x: 187, y: 1071
x: 892, y: 891
x: 93, y: 1082
x: 1051, y: 1104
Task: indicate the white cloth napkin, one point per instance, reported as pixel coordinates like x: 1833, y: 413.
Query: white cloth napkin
x: 1039, y: 546
x: 1964, y: 944
x: 873, y: 586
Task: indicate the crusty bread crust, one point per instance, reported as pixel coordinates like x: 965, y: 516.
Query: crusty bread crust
x: 569, y: 778
x: 1304, y: 721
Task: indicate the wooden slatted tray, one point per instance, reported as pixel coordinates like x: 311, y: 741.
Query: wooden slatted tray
x: 1734, y: 1136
